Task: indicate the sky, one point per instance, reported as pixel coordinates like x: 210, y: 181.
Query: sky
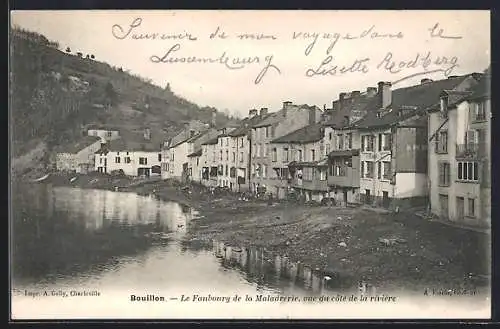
x: 307, y: 57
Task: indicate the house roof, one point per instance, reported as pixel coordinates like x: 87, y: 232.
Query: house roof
x: 131, y: 145
x: 246, y: 125
x: 343, y: 153
x: 77, y: 146
x: 352, y: 107
x: 276, y: 117
x: 196, y: 153
x: 212, y: 141
x: 483, y: 87
x: 414, y: 99
x: 308, y: 134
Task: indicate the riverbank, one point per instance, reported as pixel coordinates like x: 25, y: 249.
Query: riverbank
x: 389, y: 251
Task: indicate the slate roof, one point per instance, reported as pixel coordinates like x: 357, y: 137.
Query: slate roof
x: 343, y: 153
x: 195, y: 153
x: 246, y: 125
x: 129, y: 145
x: 483, y: 87
x: 276, y: 117
x: 308, y: 134
x: 350, y: 107
x: 212, y: 141
x: 77, y: 146
x: 415, y: 98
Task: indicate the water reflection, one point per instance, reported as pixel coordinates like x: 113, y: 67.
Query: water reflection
x: 276, y: 272
x: 63, y: 232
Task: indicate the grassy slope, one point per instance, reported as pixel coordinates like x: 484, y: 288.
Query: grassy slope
x: 45, y: 109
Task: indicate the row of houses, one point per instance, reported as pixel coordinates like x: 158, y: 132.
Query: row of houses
x: 427, y: 144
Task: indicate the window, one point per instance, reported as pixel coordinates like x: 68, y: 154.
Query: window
x: 241, y: 156
x: 367, y: 143
x: 444, y: 173
x: 442, y: 142
x: 143, y: 161
x: 313, y: 155
x: 267, y: 132
x: 234, y: 157
x: 369, y: 169
x: 117, y: 159
x: 468, y: 171
x: 100, y: 160
x: 380, y: 141
x: 264, y: 171
x: 241, y: 141
x: 327, y: 149
x: 322, y: 174
x: 159, y: 157
x: 340, y: 139
x: 221, y: 155
x: 227, y: 155
x: 227, y: 170
x: 387, y: 170
x: 108, y: 134
x: 221, y: 142
x: 94, y: 133
x: 127, y: 160
x: 379, y: 170
x: 387, y: 142
x: 232, y: 172
x: 275, y: 154
x: 330, y: 136
x: 471, y: 209
x: 285, y: 154
x: 349, y: 140
x: 299, y: 155
x: 479, y: 113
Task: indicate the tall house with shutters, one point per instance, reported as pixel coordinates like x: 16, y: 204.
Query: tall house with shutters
x: 265, y: 178
x: 459, y: 155
x: 394, y: 140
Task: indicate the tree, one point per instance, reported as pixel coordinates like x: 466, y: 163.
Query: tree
x: 92, y: 56
x: 88, y: 56
x: 167, y: 87
x: 111, y: 94
x: 79, y: 54
x: 68, y: 50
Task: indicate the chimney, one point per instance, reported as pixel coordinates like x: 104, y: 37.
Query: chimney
x: 425, y: 80
x: 341, y: 96
x: 371, y: 91
x: 385, y: 94
x: 355, y: 93
x: 476, y: 75
x: 214, y: 115
x: 263, y: 112
x: 312, y: 115
x: 252, y: 113
x: 286, y: 106
x: 147, y: 134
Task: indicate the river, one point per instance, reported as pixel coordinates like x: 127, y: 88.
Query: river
x: 79, y: 253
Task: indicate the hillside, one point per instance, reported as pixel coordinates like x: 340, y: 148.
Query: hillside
x: 56, y: 93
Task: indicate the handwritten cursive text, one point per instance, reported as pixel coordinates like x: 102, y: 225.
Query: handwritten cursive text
x: 231, y: 63
x: 121, y: 33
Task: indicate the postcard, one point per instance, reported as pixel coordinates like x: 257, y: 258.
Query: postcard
x: 224, y: 164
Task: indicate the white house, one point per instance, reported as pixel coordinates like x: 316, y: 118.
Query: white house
x: 78, y: 156
x: 134, y: 157
x: 105, y: 134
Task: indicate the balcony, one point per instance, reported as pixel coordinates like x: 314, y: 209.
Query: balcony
x: 349, y: 179
x: 470, y: 150
x: 314, y: 185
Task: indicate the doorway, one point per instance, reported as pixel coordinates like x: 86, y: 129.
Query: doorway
x: 385, y: 199
x: 460, y: 208
x: 367, y: 196
x: 345, y: 197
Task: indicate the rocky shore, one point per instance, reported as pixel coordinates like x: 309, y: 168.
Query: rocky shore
x: 389, y: 251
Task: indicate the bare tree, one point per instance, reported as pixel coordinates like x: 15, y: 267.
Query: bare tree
x: 68, y: 50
